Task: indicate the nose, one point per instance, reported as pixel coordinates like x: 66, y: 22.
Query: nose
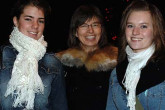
x: 90, y: 28
x: 35, y: 25
x: 136, y: 31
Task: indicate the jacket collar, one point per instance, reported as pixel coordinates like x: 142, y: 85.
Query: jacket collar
x: 99, y: 60
x: 151, y: 75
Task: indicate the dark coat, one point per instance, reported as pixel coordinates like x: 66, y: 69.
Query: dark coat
x: 87, y: 76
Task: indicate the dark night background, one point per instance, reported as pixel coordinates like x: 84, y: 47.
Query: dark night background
x: 56, y: 32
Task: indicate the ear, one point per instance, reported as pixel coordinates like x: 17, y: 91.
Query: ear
x: 15, y: 21
x: 76, y: 34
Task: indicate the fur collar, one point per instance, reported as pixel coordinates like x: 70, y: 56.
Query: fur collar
x: 99, y: 60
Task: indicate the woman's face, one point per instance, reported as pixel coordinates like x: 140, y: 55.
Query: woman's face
x: 89, y: 33
x: 139, y: 30
x: 31, y: 22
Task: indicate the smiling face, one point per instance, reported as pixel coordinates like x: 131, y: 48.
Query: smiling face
x: 31, y: 22
x: 139, y: 30
x: 89, y: 33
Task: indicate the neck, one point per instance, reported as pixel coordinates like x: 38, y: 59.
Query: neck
x: 89, y: 49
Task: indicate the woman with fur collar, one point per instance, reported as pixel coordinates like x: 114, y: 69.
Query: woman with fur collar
x: 89, y: 60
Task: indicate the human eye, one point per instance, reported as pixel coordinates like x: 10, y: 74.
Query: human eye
x: 28, y: 19
x: 95, y: 25
x: 84, y: 25
x: 42, y: 21
x: 129, y: 25
x: 143, y: 26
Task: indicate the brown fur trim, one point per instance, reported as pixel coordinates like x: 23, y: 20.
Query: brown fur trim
x: 99, y: 60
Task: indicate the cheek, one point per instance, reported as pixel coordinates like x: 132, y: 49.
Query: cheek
x: 98, y: 38
x: 98, y: 31
x: 22, y: 27
x: 22, y: 24
x: 81, y: 39
x: 149, y: 35
x: 42, y: 27
x: 127, y: 33
x: 80, y: 34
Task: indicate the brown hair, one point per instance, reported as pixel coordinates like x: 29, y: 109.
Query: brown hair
x: 80, y: 16
x: 158, y: 27
x: 19, y: 6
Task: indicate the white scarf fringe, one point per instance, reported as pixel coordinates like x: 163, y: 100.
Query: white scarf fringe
x: 136, y: 62
x: 25, y: 81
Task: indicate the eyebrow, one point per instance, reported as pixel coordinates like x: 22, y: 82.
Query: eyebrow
x: 32, y: 17
x: 93, y: 22
x: 140, y: 23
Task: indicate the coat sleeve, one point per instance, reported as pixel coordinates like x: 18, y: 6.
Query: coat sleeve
x: 110, y: 102
x: 58, y: 100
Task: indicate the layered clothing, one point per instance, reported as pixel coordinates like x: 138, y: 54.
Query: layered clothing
x: 149, y: 88
x: 51, y: 73
x: 87, y: 75
x: 30, y: 78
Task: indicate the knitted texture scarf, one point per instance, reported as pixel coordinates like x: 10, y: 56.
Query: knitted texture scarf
x: 136, y: 62
x: 25, y: 81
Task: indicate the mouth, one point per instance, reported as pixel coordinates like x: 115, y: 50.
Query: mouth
x: 33, y: 33
x: 136, y: 39
x: 90, y: 37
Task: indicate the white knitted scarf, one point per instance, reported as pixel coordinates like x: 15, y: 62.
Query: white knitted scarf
x: 25, y: 81
x: 136, y: 62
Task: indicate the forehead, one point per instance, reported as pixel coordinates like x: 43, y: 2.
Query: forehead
x: 34, y: 11
x: 92, y: 20
x: 140, y: 16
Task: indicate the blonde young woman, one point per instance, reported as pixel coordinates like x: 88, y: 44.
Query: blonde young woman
x: 139, y: 77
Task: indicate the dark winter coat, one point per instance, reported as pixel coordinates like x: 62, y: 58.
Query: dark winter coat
x: 87, y: 76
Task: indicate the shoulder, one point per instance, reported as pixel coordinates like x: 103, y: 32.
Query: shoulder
x: 160, y: 64
x: 51, y: 59
x: 72, y: 57
x: 8, y: 50
x: 7, y: 55
x: 113, y: 74
x: 110, y: 50
x: 104, y: 58
x: 107, y: 52
x: 114, y: 78
x: 51, y: 62
x: 71, y: 53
